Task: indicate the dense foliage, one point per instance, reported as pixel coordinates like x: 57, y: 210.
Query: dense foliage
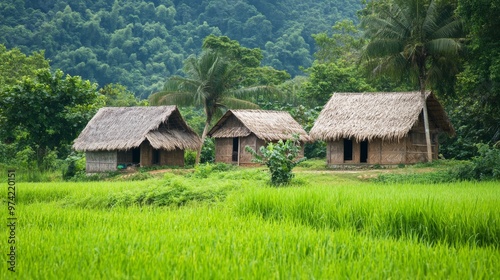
x: 280, y: 158
x: 47, y: 112
x: 475, y: 109
x: 140, y: 43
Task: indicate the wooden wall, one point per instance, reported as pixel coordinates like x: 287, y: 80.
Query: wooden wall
x: 146, y: 154
x: 100, y: 161
x: 125, y: 156
x: 335, y: 152
x: 245, y: 158
x: 223, y: 150
x: 172, y: 158
x: 411, y: 149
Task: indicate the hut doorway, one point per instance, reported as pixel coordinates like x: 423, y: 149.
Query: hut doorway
x: 136, y: 155
x: 235, y: 149
x: 347, y: 149
x: 363, y: 151
x: 156, y: 156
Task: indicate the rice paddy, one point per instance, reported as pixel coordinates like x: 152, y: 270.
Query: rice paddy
x: 231, y: 225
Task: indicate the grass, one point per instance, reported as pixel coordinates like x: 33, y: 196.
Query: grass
x: 220, y: 223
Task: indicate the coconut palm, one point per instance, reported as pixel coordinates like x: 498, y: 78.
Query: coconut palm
x: 413, y: 38
x: 210, y: 82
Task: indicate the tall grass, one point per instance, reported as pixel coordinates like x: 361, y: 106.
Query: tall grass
x: 458, y: 214
x: 212, y: 242
x: 227, y: 225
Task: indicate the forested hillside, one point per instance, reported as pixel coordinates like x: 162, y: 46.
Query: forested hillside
x: 139, y: 43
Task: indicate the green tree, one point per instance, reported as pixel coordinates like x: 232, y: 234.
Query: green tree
x: 415, y: 38
x: 118, y: 96
x: 247, y: 62
x: 14, y: 65
x: 48, y: 111
x: 211, y: 83
x: 345, y: 43
x: 327, y: 78
x: 478, y: 86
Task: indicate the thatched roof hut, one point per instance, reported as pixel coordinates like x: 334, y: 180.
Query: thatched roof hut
x: 254, y: 128
x: 148, y: 132
x: 379, y: 118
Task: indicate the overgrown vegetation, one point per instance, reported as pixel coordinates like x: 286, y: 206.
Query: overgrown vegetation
x: 484, y: 167
x: 280, y: 158
x: 326, y: 225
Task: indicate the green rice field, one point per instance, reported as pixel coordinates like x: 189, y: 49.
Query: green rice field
x: 232, y: 225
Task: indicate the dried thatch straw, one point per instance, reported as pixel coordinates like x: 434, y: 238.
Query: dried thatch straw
x: 386, y: 115
x: 266, y: 125
x: 125, y: 128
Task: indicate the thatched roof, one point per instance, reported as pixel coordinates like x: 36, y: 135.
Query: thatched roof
x: 266, y: 125
x: 386, y: 115
x: 125, y: 128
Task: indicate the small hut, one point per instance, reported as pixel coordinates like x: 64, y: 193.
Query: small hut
x: 254, y: 128
x: 145, y: 136
x: 379, y: 128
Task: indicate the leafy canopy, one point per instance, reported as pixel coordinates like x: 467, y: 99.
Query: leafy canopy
x: 48, y: 111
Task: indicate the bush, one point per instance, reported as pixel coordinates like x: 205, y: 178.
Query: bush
x: 189, y: 158
x: 208, y: 151
x: 485, y: 166
x: 75, y: 164
x: 204, y: 170
x: 280, y: 158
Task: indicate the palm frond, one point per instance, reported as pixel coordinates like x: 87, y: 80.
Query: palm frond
x: 430, y: 23
x: 171, y: 98
x: 444, y: 46
x: 235, y: 103
x: 451, y: 29
x: 384, y: 47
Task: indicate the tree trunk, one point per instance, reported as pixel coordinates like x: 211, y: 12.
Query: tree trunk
x: 426, y: 120
x: 203, y: 136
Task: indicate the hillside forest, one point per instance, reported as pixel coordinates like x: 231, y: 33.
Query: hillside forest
x: 60, y: 61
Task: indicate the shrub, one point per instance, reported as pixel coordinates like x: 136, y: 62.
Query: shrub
x: 485, y: 166
x: 204, y: 170
x: 280, y: 158
x: 75, y: 164
x: 189, y: 158
x: 208, y: 151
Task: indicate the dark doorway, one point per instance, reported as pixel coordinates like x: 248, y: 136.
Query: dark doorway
x: 136, y: 155
x: 235, y: 149
x: 364, y: 151
x: 347, y: 149
x: 156, y: 156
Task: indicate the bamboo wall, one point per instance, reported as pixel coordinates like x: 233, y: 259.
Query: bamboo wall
x: 411, y: 149
x: 101, y: 161
x: 383, y: 152
x: 172, y: 158
x: 146, y: 154
x: 125, y: 157
x: 245, y: 158
x: 223, y: 150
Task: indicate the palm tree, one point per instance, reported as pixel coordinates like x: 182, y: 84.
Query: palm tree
x: 210, y: 82
x: 412, y: 39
